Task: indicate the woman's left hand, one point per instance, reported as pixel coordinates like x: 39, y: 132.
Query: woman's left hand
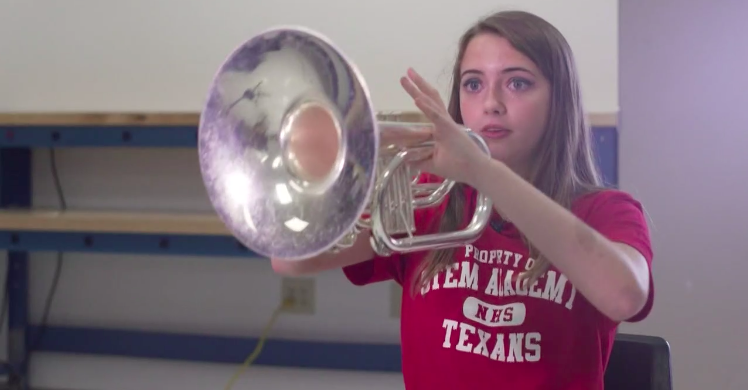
x: 455, y: 156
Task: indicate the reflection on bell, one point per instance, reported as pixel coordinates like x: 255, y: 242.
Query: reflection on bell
x: 313, y: 143
x: 284, y: 196
x: 310, y: 143
x: 292, y: 156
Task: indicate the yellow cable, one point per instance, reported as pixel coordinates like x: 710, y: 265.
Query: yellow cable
x: 258, y: 348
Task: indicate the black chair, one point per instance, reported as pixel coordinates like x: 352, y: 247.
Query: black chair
x: 639, y: 363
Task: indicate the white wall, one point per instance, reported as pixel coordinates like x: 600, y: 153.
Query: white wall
x: 683, y: 137
x: 104, y: 55
x: 159, y: 55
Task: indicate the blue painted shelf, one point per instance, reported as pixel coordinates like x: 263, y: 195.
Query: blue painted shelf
x: 219, y: 349
x: 97, y: 136
x: 185, y: 245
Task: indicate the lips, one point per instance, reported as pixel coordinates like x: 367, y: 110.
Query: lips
x: 494, y: 132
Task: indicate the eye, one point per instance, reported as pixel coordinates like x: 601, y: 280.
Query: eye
x: 471, y: 85
x: 519, y: 83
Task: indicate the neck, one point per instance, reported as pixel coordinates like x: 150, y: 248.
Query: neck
x: 522, y: 170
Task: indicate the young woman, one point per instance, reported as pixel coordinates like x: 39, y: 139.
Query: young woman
x: 534, y: 303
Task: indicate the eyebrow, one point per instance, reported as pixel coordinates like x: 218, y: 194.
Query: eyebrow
x: 503, y: 71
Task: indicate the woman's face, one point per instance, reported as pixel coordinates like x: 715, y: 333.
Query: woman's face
x: 505, y: 98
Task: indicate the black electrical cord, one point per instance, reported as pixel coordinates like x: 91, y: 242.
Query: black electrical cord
x: 58, y: 264
x: 3, y: 312
x: 16, y: 373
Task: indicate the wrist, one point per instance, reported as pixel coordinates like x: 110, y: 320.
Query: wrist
x: 483, y: 172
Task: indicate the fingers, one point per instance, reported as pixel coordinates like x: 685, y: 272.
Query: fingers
x: 427, y: 107
x: 403, y: 136
x: 435, y: 114
x: 427, y: 100
x: 411, y: 88
x: 417, y: 87
x: 424, y: 86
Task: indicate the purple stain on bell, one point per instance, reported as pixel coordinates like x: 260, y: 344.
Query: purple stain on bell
x: 288, y: 144
x: 252, y: 54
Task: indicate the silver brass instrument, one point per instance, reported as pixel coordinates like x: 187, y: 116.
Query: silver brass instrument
x: 293, y: 157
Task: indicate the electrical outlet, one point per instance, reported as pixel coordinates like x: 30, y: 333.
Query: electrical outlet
x: 299, y: 293
x: 396, y: 299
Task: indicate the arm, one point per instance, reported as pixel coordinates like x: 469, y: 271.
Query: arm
x: 358, y: 253
x: 614, y: 277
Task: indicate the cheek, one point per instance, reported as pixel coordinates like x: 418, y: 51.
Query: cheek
x: 532, y: 115
x: 470, y: 111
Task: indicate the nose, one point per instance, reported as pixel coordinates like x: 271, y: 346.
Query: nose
x: 493, y: 102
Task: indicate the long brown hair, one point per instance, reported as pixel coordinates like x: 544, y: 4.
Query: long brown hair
x: 563, y: 164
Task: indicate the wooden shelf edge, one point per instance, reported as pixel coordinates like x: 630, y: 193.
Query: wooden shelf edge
x: 192, y: 118
x: 112, y: 222
x: 603, y: 119
x: 99, y: 119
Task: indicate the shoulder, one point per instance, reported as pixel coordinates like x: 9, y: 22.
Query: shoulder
x: 617, y: 215
x: 606, y: 203
x: 605, y: 197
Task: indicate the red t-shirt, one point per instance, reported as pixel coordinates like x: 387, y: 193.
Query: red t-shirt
x: 474, y: 328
